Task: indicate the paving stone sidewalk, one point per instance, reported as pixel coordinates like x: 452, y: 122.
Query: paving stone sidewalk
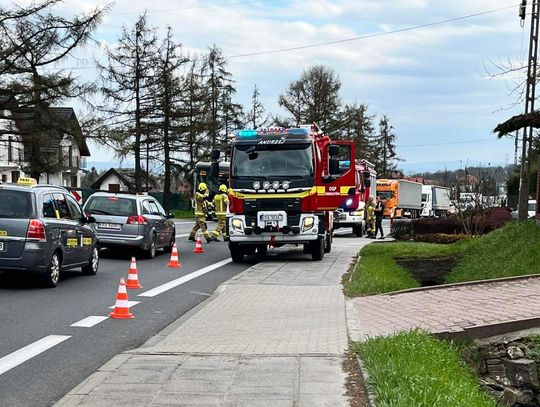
x: 444, y: 310
x: 274, y: 336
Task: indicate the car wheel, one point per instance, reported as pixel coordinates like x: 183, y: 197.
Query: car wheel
x: 52, y: 275
x: 168, y: 248
x: 92, y: 267
x: 150, y: 252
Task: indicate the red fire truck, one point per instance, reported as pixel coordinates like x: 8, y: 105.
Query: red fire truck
x: 285, y: 185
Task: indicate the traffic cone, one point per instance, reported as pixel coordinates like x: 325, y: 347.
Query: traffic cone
x: 133, y: 277
x: 174, y: 262
x: 121, y: 308
x: 198, y: 246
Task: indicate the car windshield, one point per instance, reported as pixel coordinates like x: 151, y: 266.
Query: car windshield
x: 424, y: 197
x: 15, y: 204
x: 385, y: 194
x: 273, y: 160
x: 111, y: 205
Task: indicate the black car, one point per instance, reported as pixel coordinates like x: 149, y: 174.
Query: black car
x: 43, y: 231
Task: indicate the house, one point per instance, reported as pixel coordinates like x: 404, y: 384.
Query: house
x: 122, y: 180
x: 66, y: 146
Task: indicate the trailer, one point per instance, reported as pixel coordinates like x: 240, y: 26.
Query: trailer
x: 401, y: 197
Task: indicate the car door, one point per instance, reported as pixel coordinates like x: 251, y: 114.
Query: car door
x: 69, y: 230
x: 167, y: 224
x: 158, y: 219
x: 84, y: 232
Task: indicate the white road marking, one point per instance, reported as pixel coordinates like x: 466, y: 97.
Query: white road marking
x: 183, y: 235
x: 130, y: 304
x: 200, y: 293
x: 20, y: 356
x: 179, y: 281
x: 89, y: 322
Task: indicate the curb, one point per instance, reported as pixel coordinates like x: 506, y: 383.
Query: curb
x: 365, y: 376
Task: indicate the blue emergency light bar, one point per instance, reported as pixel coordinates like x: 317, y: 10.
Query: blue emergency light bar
x: 272, y: 132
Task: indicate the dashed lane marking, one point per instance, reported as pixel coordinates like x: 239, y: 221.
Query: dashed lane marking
x: 20, y: 356
x: 179, y: 281
x: 89, y: 322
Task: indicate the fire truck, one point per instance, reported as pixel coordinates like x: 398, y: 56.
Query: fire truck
x: 285, y: 185
x: 366, y: 184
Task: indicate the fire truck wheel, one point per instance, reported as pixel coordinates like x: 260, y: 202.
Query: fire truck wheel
x: 237, y: 253
x: 307, y: 248
x: 357, y: 230
x: 262, y: 249
x: 328, y: 243
x: 317, y: 249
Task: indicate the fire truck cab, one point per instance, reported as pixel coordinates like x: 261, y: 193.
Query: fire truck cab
x: 285, y: 185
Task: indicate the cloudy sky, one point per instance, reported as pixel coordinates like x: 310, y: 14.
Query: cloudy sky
x: 432, y: 81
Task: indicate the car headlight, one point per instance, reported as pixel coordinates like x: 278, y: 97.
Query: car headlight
x: 256, y: 185
x: 237, y: 224
x: 266, y: 185
x: 308, y: 223
x: 285, y: 184
x: 275, y: 185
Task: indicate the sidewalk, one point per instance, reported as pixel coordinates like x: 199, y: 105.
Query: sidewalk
x: 272, y: 336
x: 480, y: 308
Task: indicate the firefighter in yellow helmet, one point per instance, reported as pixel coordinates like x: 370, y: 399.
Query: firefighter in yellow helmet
x: 221, y: 200
x: 201, y: 208
x: 370, y: 218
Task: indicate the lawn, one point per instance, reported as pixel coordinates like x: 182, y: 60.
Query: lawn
x: 183, y: 214
x: 413, y: 369
x: 513, y: 250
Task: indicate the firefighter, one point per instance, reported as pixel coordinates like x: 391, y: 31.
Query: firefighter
x: 201, y: 207
x: 221, y: 200
x: 370, y: 218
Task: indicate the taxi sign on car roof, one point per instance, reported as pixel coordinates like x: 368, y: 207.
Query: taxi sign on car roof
x: 27, y: 181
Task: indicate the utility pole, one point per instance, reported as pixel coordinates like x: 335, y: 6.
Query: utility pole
x: 526, y: 144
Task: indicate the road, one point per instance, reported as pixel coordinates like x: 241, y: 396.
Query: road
x: 36, y: 322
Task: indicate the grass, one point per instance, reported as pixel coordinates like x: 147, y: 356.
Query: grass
x: 413, y: 369
x: 183, y: 214
x: 513, y: 250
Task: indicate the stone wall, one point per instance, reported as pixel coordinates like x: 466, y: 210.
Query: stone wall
x: 509, y: 373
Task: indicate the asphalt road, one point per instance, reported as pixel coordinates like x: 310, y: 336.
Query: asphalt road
x: 50, y: 357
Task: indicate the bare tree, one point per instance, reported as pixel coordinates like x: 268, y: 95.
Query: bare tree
x: 256, y: 117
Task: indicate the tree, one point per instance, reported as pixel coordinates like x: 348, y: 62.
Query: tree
x: 357, y: 125
x: 33, y: 41
x: 89, y: 178
x: 256, y: 116
x: 385, y: 149
x: 128, y: 82
x: 314, y: 98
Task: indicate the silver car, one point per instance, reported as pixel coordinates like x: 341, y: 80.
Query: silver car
x: 44, y: 231
x: 131, y: 220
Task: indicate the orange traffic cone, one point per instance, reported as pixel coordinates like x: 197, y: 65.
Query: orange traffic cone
x: 133, y: 277
x: 198, y: 246
x: 121, y: 308
x: 174, y: 262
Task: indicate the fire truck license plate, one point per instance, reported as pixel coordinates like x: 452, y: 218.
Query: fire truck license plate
x: 271, y: 218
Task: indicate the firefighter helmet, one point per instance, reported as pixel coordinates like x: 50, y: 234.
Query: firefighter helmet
x: 202, y: 187
x: 223, y: 188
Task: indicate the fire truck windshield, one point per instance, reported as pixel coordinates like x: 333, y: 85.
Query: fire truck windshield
x: 272, y: 160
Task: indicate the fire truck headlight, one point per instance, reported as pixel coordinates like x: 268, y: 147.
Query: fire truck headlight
x: 275, y: 185
x: 308, y: 223
x: 349, y: 202
x: 256, y: 185
x: 266, y: 185
x: 285, y: 185
x: 237, y: 224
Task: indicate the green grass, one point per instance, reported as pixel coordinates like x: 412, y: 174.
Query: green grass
x: 183, y: 214
x: 513, y: 250
x: 413, y: 369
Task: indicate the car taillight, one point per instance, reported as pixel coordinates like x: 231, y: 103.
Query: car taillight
x: 36, y: 230
x: 136, y: 220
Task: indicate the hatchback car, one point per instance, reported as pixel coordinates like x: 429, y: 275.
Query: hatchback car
x: 43, y: 230
x: 131, y: 220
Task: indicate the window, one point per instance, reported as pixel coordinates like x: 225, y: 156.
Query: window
x: 49, y: 211
x: 74, y: 207
x: 114, y: 187
x: 111, y: 205
x: 153, y: 208
x: 341, y: 163
x: 70, y: 156
x: 61, y: 204
x: 74, y: 181
x: 4, y: 178
x: 15, y: 175
x: 161, y: 211
x: 146, y: 208
x: 15, y: 204
x: 10, y: 147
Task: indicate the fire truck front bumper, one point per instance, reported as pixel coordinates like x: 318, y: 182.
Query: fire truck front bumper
x: 273, y: 231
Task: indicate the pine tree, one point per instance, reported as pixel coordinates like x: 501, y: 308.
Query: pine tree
x: 357, y: 125
x: 256, y: 117
x: 385, y: 149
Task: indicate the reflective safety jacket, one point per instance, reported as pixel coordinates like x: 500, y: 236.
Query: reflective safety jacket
x: 200, y: 203
x: 370, y: 212
x: 221, y: 200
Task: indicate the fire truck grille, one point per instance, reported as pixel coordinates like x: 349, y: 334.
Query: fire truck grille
x: 288, y: 205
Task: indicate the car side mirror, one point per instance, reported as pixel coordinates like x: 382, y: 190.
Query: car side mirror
x: 88, y: 219
x: 170, y: 215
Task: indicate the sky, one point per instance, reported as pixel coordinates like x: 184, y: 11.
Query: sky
x: 432, y: 82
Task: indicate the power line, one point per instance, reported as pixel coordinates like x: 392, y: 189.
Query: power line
x: 184, y: 8
x: 374, y: 35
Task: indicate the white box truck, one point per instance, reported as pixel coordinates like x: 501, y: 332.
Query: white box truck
x: 435, y: 201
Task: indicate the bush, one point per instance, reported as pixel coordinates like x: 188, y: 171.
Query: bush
x: 441, y: 238
x: 401, y: 229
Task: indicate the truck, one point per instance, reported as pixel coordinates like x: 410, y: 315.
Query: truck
x: 285, y: 184
x: 213, y: 173
x: 366, y: 184
x: 401, y: 197
x: 435, y: 201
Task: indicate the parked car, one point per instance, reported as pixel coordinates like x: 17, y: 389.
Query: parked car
x: 531, y: 210
x: 131, y: 220
x: 43, y: 230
